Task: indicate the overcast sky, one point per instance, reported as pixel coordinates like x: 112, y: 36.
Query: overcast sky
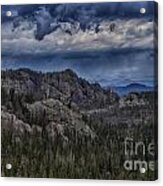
x: 109, y: 43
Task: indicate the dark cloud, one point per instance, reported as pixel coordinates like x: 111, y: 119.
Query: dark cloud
x: 88, y: 15
x: 73, y: 11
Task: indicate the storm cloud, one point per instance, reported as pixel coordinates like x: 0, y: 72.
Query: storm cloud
x: 110, y: 43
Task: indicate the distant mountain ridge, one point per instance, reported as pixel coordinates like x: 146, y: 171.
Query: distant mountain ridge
x: 133, y: 87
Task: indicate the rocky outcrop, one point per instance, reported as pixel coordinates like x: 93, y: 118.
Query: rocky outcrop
x: 62, y: 106
x: 10, y: 123
x: 49, y: 119
x: 65, y: 86
x: 133, y: 100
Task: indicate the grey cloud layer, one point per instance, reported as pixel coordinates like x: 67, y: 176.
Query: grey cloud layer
x: 134, y: 33
x: 108, y: 43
